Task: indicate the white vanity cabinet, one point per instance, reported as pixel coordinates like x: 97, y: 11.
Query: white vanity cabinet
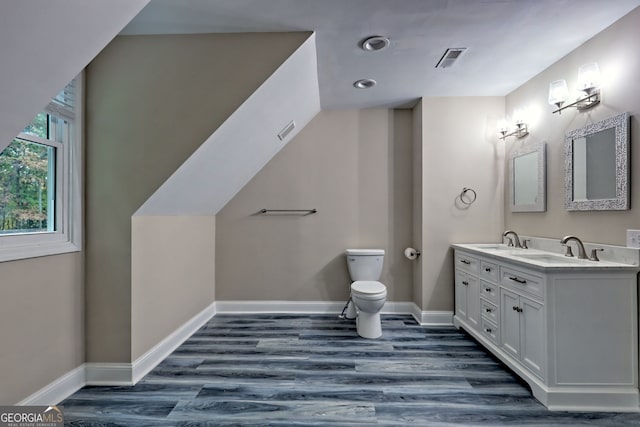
x: 467, y: 290
x: 570, y: 333
x: 522, y: 329
x: 467, y: 300
x: 489, y: 301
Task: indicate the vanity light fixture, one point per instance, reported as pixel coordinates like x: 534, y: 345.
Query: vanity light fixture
x: 364, y: 83
x: 588, y: 82
x: 520, y: 131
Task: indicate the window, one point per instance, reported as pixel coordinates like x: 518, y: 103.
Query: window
x: 40, y: 211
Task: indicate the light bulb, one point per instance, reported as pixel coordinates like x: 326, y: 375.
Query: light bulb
x: 518, y: 117
x: 502, y: 126
x: 558, y: 93
x: 589, y: 77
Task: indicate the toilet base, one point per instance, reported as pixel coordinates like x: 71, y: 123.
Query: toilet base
x: 351, y: 311
x: 368, y: 325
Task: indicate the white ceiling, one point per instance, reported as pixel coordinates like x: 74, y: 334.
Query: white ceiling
x: 508, y: 41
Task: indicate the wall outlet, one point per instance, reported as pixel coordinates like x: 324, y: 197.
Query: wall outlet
x: 633, y: 238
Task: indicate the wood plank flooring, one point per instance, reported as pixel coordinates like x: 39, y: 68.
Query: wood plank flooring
x: 314, y: 370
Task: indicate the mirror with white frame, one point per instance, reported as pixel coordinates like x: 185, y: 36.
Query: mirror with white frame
x: 597, y: 166
x: 527, y: 178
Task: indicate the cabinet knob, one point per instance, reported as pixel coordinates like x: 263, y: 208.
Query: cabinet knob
x: 464, y: 282
x: 515, y: 308
x: 488, y: 290
x: 487, y: 269
x: 488, y: 330
x: 488, y: 310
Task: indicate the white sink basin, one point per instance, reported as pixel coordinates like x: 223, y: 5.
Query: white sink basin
x: 502, y: 249
x: 493, y: 246
x: 551, y: 259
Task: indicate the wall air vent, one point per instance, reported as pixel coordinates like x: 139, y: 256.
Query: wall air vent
x: 450, y: 56
x: 287, y: 130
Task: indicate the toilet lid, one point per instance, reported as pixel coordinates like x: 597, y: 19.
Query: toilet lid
x: 365, y: 252
x: 368, y: 287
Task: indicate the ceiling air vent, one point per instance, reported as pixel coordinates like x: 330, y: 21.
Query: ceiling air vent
x: 450, y: 56
x: 287, y: 130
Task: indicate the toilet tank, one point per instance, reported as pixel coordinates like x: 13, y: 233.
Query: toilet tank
x: 365, y: 264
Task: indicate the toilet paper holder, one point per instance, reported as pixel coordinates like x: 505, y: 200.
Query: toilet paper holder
x: 411, y: 253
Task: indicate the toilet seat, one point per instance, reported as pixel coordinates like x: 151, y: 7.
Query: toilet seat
x: 369, y: 298
x: 368, y: 289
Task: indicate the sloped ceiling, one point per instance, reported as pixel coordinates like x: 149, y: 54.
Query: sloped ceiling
x: 245, y: 142
x: 44, y: 45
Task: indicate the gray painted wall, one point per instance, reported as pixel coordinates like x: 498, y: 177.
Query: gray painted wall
x: 616, y: 52
x: 42, y: 318
x: 173, y: 275
x: 151, y: 101
x: 353, y: 166
x: 416, y: 205
x: 460, y: 149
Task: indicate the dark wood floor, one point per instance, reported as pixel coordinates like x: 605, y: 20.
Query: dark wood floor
x: 289, y: 370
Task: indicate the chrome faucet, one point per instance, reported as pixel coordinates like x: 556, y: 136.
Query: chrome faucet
x: 516, y: 239
x: 582, y: 254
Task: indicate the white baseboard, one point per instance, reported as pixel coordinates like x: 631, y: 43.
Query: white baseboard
x: 117, y: 374
x: 427, y: 318
x: 392, y: 307
x: 113, y: 374
x: 145, y: 363
x: 434, y: 318
x: 285, y: 307
x: 424, y: 318
x: 58, y: 390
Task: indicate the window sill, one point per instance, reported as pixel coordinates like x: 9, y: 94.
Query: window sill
x: 35, y: 250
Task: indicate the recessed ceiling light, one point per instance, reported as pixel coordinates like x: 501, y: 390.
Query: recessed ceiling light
x: 364, y: 83
x: 375, y: 43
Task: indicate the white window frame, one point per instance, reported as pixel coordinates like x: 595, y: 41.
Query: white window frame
x: 67, y: 236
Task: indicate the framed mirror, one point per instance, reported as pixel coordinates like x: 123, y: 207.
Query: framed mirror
x: 597, y: 166
x: 527, y: 178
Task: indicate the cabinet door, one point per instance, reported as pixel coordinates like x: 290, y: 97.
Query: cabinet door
x: 462, y: 282
x: 473, y: 301
x: 510, y: 322
x: 532, y: 342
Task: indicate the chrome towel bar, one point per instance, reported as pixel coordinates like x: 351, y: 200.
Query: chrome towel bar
x: 289, y: 211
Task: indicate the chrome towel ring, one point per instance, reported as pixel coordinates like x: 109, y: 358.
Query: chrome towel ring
x: 467, y: 198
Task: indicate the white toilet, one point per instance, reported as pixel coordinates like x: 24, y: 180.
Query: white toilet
x: 368, y: 295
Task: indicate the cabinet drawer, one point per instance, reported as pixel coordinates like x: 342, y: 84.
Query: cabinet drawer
x: 489, y: 291
x: 490, y: 330
x: 489, y: 311
x: 489, y: 271
x: 523, y: 281
x: 467, y: 263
